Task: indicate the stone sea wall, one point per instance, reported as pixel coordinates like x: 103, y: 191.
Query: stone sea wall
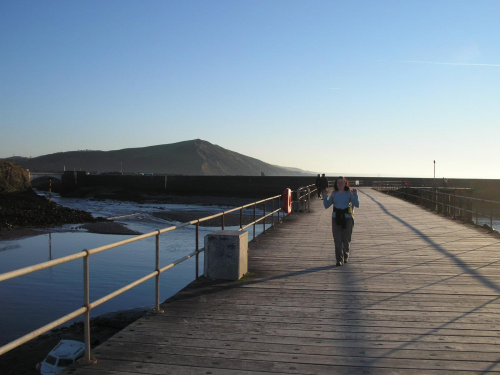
x: 250, y: 186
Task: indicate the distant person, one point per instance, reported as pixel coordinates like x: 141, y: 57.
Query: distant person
x: 323, y: 182
x: 343, y: 200
x: 318, y: 186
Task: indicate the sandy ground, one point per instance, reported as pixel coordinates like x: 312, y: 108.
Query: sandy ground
x: 12, y: 234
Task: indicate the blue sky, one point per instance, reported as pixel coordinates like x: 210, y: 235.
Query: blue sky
x: 379, y: 88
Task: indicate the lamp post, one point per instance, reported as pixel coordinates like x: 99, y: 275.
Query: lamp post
x: 434, y: 174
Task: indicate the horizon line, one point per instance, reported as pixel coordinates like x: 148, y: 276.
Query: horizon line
x: 439, y: 63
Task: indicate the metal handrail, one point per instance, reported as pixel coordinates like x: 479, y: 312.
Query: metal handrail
x: 304, y: 197
x: 450, y: 204
x: 85, y: 254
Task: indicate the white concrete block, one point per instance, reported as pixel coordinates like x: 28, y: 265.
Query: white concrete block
x: 226, y: 254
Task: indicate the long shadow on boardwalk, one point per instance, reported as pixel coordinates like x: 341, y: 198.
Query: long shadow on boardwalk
x: 420, y: 296
x: 461, y: 263
x: 204, y: 286
x: 467, y: 268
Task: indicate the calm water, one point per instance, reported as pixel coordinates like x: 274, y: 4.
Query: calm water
x: 487, y: 221
x: 31, y: 301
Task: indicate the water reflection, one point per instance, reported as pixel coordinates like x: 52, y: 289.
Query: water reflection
x: 50, y: 246
x: 33, y: 300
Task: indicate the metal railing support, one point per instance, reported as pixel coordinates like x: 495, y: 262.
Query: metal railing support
x: 279, y: 205
x: 458, y: 206
x: 254, y: 216
x: 303, y: 198
x: 264, y: 221
x: 197, y: 249
x: 158, y: 310
x: 86, y: 304
x: 272, y: 209
x: 491, y: 214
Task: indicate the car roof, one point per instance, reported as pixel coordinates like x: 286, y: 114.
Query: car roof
x: 67, y: 349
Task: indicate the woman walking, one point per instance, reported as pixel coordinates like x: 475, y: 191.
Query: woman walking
x: 343, y: 200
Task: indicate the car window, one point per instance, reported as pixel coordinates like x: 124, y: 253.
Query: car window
x: 63, y: 362
x: 51, y: 360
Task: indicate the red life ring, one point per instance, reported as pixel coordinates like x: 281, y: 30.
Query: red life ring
x: 287, y: 201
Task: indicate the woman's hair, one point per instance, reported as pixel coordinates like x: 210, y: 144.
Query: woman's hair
x: 346, y: 187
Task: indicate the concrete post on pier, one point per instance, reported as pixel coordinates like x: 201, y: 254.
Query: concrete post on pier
x: 226, y: 255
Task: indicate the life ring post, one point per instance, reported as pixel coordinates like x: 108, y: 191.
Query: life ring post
x: 287, y: 201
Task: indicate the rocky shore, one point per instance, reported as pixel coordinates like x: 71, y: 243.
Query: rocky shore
x: 22, y: 213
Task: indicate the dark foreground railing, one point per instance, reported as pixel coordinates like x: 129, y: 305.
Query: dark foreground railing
x: 276, y: 209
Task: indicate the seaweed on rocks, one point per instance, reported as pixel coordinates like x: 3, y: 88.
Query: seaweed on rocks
x: 29, y: 210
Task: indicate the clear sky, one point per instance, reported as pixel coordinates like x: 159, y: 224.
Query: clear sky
x: 379, y: 88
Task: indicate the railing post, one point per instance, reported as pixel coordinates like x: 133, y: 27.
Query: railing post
x: 253, y: 239
x: 86, y: 304
x: 476, y: 210
x: 272, y: 210
x: 449, y: 205
x: 158, y: 310
x: 222, y: 226
x: 197, y: 249
x: 455, y: 211
x: 241, y: 218
x: 462, y: 207
x: 279, y: 206
x: 491, y: 215
x: 308, y: 199
x: 264, y: 221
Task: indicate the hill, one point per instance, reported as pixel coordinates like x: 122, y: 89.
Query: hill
x: 195, y: 157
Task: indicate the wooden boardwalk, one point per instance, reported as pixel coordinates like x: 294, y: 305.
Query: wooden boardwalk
x: 420, y: 295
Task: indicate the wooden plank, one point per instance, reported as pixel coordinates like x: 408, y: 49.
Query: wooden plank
x: 419, y: 295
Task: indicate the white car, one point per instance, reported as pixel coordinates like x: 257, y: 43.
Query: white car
x: 64, y: 354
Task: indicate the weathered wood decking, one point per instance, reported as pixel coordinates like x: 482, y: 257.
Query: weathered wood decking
x: 420, y: 295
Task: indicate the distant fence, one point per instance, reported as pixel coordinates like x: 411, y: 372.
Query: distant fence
x: 457, y: 203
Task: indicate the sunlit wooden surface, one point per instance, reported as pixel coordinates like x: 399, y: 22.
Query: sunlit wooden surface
x: 420, y: 295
